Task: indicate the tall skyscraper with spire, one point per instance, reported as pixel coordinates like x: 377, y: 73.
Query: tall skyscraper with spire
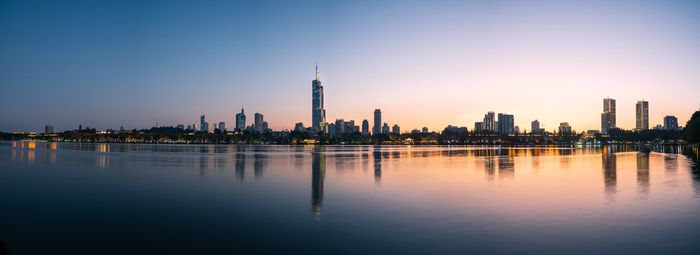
x: 318, y: 113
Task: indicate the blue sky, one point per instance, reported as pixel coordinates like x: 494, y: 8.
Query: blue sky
x: 106, y: 64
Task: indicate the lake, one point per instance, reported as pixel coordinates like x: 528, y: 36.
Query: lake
x: 59, y: 198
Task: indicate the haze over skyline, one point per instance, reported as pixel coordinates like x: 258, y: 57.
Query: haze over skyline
x: 105, y: 64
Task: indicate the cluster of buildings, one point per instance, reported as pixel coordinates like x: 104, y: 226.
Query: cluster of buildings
x: 340, y: 127
x: 608, y: 117
x: 492, y: 123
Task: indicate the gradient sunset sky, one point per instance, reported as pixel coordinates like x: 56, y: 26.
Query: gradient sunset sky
x: 105, y: 64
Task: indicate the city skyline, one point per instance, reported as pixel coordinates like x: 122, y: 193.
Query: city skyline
x: 422, y: 65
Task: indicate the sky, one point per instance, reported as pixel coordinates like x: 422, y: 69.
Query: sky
x: 106, y: 64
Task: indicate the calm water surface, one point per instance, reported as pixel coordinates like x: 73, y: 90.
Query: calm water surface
x: 206, y: 199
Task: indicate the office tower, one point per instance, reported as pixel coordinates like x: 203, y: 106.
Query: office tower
x: 349, y: 127
x: 265, y: 128
x: 506, y: 123
x: 48, y: 129
x: 670, y: 123
x: 535, y: 126
x: 339, y: 126
x: 258, y: 124
x: 395, y: 129
x: 299, y: 127
x: 424, y: 130
x: 332, y: 129
x: 642, y: 114
x: 318, y: 113
x: 385, y: 129
x: 516, y: 129
x: 222, y: 126
x: 240, y: 121
x: 203, y: 125
x: 365, y: 127
x: 478, y: 127
x: 608, y: 117
x: 377, y: 122
x: 490, y: 122
x: 564, y: 128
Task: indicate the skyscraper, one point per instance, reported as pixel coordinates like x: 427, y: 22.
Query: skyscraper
x: 240, y: 121
x: 258, y: 124
x: 385, y: 129
x: 318, y: 113
x: 203, y: 125
x: 478, y: 126
x: 339, y: 126
x: 396, y: 129
x: 564, y: 128
x: 222, y: 126
x: 490, y: 121
x: 535, y: 126
x: 642, y: 114
x: 365, y: 127
x: 48, y: 129
x: 377, y: 122
x: 506, y: 123
x: 608, y: 117
x: 670, y: 123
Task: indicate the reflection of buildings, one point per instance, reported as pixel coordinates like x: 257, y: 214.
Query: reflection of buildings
x: 609, y: 173
x: 643, y: 174
x: 490, y: 168
x: 377, y: 155
x: 240, y: 166
x: 259, y: 164
x: 506, y: 167
x: 318, y: 173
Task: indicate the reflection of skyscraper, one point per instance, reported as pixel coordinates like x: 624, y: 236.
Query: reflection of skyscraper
x: 318, y: 113
x: 490, y: 168
x: 377, y: 156
x: 643, y: 174
x: 259, y: 164
x: 318, y: 174
x: 609, y: 173
x: 240, y: 166
x: 506, y: 167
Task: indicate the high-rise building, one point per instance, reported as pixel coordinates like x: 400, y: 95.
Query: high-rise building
x: 299, y: 127
x: 339, y: 126
x: 478, y: 126
x: 222, y: 126
x: 318, y: 113
x: 516, y: 129
x: 265, y: 127
x: 377, y: 122
x: 506, y: 123
x: 48, y: 129
x: 349, y: 127
x: 670, y: 122
x: 240, y: 121
x: 608, y: 117
x: 535, y: 126
x: 642, y: 114
x: 564, y: 128
x: 424, y: 130
x: 203, y: 125
x: 396, y: 129
x: 258, y: 124
x: 490, y: 121
x: 385, y: 129
x: 365, y: 127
